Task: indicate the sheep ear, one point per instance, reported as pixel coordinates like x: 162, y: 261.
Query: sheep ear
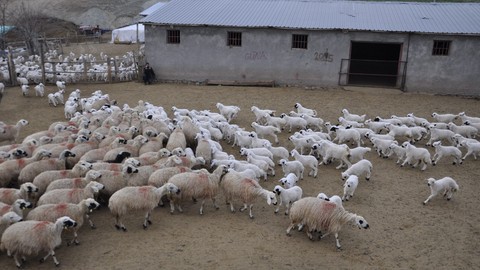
x: 269, y: 200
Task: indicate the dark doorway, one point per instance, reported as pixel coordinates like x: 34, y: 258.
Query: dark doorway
x: 374, y: 63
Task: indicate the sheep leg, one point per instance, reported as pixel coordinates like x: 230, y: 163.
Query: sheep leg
x: 232, y: 208
x: 369, y: 174
x: 244, y: 207
x: 118, y: 224
x: 147, y: 221
x: 429, y: 198
x: 337, y: 242
x: 201, y: 207
x: 17, y: 262
x: 292, y: 225
x: 250, y: 214
x: 214, y: 200
x: 52, y: 252
x: 92, y: 225
x: 287, y: 208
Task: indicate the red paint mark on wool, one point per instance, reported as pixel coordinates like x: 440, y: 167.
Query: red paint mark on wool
x: 5, y: 209
x: 51, y: 161
x: 143, y: 191
x: 21, y: 162
x: 182, y: 169
x: 73, y: 192
x: 63, y: 173
x: 61, y: 208
x: 41, y: 225
x: 7, y: 193
x: 77, y: 183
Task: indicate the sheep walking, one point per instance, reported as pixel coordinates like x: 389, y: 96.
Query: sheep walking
x: 349, y: 187
x: 323, y: 216
x: 11, y: 132
x: 32, y: 237
x: 445, y: 151
x: 18, y: 207
x: 198, y: 185
x: 287, y: 196
x: 446, y: 185
x: 27, y: 191
x: 363, y: 166
x: 51, y: 212
x: 143, y: 198
x: 70, y: 195
x: 416, y: 155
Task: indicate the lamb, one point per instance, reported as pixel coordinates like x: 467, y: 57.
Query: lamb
x: 31, y: 237
x: 307, y: 161
x: 260, y: 114
x: 264, y: 163
x: 473, y: 148
x: 230, y: 112
x: 12, y: 132
x: 417, y: 155
x: 51, y: 212
x: 278, y: 152
x: 60, y: 85
x: 466, y: 131
x: 197, y: 185
x: 277, y: 122
x: 382, y: 146
x: 349, y: 187
x: 441, y: 151
x: 8, y: 219
x: 22, y: 81
x: 29, y: 172
x: 73, y: 195
x: 304, y: 110
x: 25, y: 89
x: 58, y: 96
x: 347, y: 135
x: 143, y: 198
x: 446, y: 185
x: 293, y: 122
x: 417, y: 120
x: 358, y: 153
x: 399, y: 151
x: 445, y: 118
x: 301, y: 143
x: 353, y: 117
x: 437, y: 134
x: 290, y: 180
x: 471, y: 119
x: 246, y: 190
x: 376, y: 127
x: 40, y: 90
x: 399, y: 131
x: 294, y: 166
x: 259, y: 151
x: 406, y: 120
x: 27, y: 191
x: 242, y: 166
x: 363, y: 166
x: 333, y: 151
x: 324, y: 216
x: 52, y: 100
x: 287, y: 196
x: 264, y: 131
x: 314, y: 123
x: 78, y: 182
x: 346, y: 123
x: 44, y: 178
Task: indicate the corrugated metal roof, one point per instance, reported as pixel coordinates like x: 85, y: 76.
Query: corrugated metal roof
x: 445, y: 18
x: 151, y: 9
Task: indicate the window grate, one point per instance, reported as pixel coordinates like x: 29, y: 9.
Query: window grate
x: 234, y: 39
x: 299, y: 41
x: 173, y: 36
x: 441, y: 47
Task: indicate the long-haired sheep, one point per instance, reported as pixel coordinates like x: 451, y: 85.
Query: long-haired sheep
x: 79, y: 182
x: 70, y: 195
x: 8, y: 219
x: 324, y: 216
x: 31, y: 237
x: 11, y: 132
x: 246, y: 190
x: 10, y: 169
x: 26, y: 191
x: 176, y: 139
x: 201, y: 185
x: 51, y: 212
x: 144, y: 198
x: 446, y: 185
x: 19, y: 206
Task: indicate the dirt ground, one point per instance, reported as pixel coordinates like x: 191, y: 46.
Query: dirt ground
x: 403, y: 233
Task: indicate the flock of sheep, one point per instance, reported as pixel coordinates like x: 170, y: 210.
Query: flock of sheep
x: 136, y: 158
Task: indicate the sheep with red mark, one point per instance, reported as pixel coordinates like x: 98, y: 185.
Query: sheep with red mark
x: 27, y: 191
x: 71, y: 195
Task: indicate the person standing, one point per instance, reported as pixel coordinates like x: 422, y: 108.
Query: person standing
x: 148, y: 74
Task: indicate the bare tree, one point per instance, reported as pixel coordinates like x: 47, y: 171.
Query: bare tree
x: 3, y: 20
x: 28, y: 23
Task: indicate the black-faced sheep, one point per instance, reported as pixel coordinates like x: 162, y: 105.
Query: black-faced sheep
x: 19, y: 206
x: 322, y: 216
x: 51, y: 212
x: 32, y: 237
x: 26, y: 191
x: 287, y: 196
x: 144, y: 198
x: 10, y: 169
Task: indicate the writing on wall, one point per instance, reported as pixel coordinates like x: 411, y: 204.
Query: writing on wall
x: 323, y: 57
x: 256, y: 55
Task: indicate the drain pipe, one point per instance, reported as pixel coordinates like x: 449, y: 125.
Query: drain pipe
x: 404, y: 80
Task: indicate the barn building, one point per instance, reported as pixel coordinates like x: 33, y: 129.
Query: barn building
x: 416, y: 47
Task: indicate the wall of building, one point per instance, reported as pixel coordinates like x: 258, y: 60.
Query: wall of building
x: 266, y: 55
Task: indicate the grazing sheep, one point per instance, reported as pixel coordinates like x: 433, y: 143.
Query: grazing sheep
x: 31, y: 237
x: 446, y: 185
x: 445, y: 151
x: 363, y: 166
x: 79, y: 182
x: 11, y: 132
x: 415, y: 156
x: 144, y: 198
x: 287, y: 196
x: 70, y: 195
x: 201, y: 185
x: 246, y: 190
x: 304, y: 110
x: 290, y: 180
x: 26, y: 191
x: 308, y: 162
x: 349, y: 187
x: 324, y: 216
x: 51, y: 212
x: 29, y: 172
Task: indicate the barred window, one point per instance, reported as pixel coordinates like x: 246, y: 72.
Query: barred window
x: 234, y: 39
x: 441, y: 47
x: 173, y: 36
x: 299, y: 41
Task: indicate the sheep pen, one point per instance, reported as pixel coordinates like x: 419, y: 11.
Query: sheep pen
x: 403, y: 233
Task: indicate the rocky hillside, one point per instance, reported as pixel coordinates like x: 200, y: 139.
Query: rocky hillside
x: 108, y: 14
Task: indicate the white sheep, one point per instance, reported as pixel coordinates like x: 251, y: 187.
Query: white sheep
x: 445, y: 151
x: 143, y: 198
x: 303, y: 110
x: 159, y: 177
x: 10, y: 169
x: 293, y: 122
x: 8, y: 219
x: 27, y: 191
x: 399, y: 151
x: 444, y: 118
x: 334, y: 151
x: 437, y: 134
x: 353, y: 117
x: 240, y: 166
x: 70, y: 195
x: 40, y: 90
x: 19, y: 206
x: 275, y: 121
x: 290, y: 180
x: 52, y: 100
x: 31, y: 237
x: 347, y: 123
x: 464, y: 130
x: 287, y: 196
x: 293, y: 166
x: 60, y: 85
x: 382, y: 146
x: 347, y: 135
x: 324, y: 216
x: 12, y: 132
x: 245, y: 190
x: 416, y: 119
x: 230, y: 112
x: 446, y: 185
x: 260, y: 114
x: 308, y: 162
x: 416, y: 155
x: 176, y: 139
x: 358, y: 153
x: 363, y: 166
x: 349, y: 187
x: 264, y: 131
x: 201, y: 185
x: 471, y: 119
x: 473, y: 148
x: 278, y: 152
x: 25, y: 89
x: 78, y: 182
x: 51, y: 212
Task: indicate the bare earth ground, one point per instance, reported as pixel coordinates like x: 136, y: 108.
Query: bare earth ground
x: 403, y: 233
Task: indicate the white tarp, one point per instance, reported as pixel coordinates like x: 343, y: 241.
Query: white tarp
x: 128, y: 34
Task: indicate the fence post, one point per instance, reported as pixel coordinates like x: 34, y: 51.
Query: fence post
x: 54, y: 71
x: 11, y: 68
x: 109, y: 70
x: 42, y: 63
x: 85, y: 78
x: 115, y: 66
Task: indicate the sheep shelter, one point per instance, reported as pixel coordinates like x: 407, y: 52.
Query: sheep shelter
x: 128, y: 34
x: 416, y: 47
